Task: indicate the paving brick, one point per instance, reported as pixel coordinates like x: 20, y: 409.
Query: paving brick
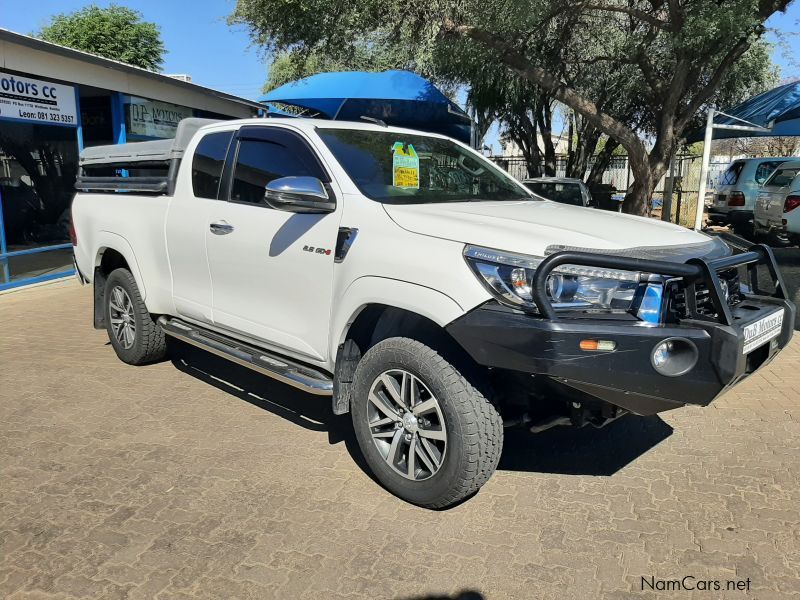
x: 194, y: 478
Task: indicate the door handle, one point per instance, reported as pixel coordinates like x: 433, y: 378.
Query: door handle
x: 221, y: 228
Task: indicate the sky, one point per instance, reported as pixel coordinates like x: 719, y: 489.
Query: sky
x: 201, y: 44
x: 198, y: 40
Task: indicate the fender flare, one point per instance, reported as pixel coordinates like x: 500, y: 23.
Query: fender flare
x: 364, y: 291
x: 107, y: 240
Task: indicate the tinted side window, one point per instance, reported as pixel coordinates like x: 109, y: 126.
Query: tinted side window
x: 764, y: 170
x: 731, y: 176
x: 259, y: 161
x: 207, y: 163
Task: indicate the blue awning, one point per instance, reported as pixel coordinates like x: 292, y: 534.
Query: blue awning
x: 777, y: 110
x: 399, y: 98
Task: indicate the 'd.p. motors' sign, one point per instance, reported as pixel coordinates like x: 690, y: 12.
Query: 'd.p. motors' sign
x: 24, y: 99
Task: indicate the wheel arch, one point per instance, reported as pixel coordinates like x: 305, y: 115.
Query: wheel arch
x: 377, y: 321
x: 113, y: 252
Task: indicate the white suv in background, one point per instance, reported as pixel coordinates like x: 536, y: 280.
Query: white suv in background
x: 777, y: 213
x: 737, y: 190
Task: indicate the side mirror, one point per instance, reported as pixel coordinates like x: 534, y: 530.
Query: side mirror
x: 298, y: 195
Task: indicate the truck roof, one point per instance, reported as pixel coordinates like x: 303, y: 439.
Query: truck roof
x: 173, y: 148
x: 307, y: 124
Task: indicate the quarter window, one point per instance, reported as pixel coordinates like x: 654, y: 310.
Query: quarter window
x: 207, y: 163
x: 731, y: 176
x: 277, y: 154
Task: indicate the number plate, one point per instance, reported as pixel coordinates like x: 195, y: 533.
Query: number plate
x: 759, y: 333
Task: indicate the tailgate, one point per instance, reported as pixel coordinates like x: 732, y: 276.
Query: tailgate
x: 769, y: 206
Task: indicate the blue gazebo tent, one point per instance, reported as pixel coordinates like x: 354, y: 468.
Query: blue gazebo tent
x: 398, y: 98
x: 776, y: 111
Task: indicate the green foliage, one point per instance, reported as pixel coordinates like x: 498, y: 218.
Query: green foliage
x: 638, y: 71
x: 371, y: 55
x: 115, y: 32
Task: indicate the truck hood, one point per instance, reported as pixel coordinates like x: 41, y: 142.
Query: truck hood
x: 540, y: 227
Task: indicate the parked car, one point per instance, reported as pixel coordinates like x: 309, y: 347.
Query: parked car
x: 776, y: 212
x: 561, y: 189
x: 736, y: 192
x: 416, y: 284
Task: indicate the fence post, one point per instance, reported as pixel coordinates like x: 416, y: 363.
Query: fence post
x: 666, y: 202
x: 627, y: 174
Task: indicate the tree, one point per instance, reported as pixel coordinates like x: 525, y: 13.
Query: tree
x: 676, y: 52
x: 115, y: 32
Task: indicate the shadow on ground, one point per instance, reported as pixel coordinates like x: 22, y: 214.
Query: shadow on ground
x: 586, y: 451
x: 466, y: 595
x: 564, y: 450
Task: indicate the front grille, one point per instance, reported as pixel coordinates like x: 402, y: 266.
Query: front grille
x: 676, y: 308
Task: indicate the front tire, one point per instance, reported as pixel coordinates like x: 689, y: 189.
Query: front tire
x: 135, y: 336
x: 429, y: 436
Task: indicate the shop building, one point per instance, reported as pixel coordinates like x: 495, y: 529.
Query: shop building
x: 54, y: 101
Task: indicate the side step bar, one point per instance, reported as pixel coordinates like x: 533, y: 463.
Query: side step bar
x: 272, y: 365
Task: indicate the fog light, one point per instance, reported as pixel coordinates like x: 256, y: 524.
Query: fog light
x: 674, y: 356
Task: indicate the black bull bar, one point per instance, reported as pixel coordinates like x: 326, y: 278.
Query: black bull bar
x: 693, y: 271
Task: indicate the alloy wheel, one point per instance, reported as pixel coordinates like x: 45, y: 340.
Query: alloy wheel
x: 407, y: 424
x: 123, y: 323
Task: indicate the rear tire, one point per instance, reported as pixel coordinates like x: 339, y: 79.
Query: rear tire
x: 438, y: 453
x: 778, y: 240
x: 745, y: 230
x: 135, y: 336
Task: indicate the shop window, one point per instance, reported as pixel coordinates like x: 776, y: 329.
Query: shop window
x: 38, y: 164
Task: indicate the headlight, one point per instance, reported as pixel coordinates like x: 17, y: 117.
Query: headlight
x: 509, y: 277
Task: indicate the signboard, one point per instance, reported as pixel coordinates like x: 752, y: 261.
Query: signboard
x: 155, y: 119
x: 36, y: 101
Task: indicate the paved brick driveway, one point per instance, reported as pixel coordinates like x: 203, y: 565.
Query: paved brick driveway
x: 195, y: 478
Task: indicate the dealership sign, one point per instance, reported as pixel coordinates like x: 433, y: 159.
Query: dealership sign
x: 37, y: 101
x: 155, y: 119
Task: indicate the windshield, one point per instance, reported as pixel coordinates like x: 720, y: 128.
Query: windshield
x: 563, y: 192
x: 406, y: 168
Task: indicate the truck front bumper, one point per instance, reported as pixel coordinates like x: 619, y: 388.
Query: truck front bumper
x: 549, y: 346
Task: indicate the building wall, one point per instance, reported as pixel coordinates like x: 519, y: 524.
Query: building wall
x: 39, y: 155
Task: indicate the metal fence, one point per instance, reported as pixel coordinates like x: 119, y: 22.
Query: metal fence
x: 619, y: 175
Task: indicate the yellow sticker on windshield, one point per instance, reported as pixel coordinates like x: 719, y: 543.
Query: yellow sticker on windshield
x: 405, y: 166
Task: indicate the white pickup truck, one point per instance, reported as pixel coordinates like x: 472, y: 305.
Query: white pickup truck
x: 426, y: 291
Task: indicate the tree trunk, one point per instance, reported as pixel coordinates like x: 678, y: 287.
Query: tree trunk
x: 571, y: 149
x: 533, y: 158
x: 587, y: 138
x: 637, y: 196
x: 647, y: 172
x: 601, y: 163
x: 544, y: 120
